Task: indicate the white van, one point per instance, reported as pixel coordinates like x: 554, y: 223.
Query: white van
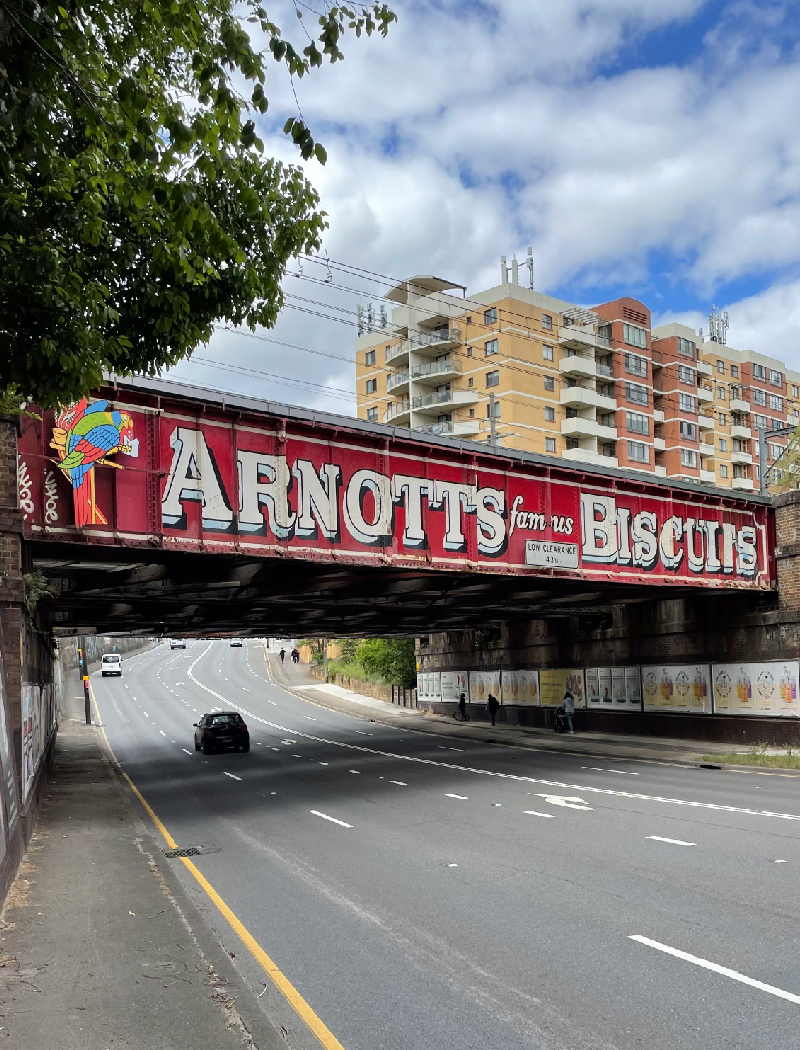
x: 111, y: 664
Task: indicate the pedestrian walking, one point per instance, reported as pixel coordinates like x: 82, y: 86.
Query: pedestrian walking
x: 492, y: 703
x: 283, y: 655
x: 462, y: 706
x: 568, y: 707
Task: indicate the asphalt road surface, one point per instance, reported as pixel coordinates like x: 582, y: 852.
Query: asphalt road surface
x: 426, y: 892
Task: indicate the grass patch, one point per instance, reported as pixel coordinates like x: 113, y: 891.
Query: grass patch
x: 347, y: 665
x: 758, y: 757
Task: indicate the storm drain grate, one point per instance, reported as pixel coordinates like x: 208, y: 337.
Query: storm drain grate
x: 192, y: 851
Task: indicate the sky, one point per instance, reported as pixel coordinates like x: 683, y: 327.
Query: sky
x: 642, y: 147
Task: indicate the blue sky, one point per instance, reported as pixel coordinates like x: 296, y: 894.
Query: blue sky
x: 642, y: 147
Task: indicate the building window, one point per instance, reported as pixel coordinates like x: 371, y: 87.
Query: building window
x: 721, y: 367
x: 686, y: 374
x: 775, y: 378
x: 636, y: 365
x: 723, y: 419
x: 573, y: 443
x: 795, y: 391
x: 720, y: 393
x: 739, y: 471
x: 795, y: 413
x: 490, y: 347
x: 472, y: 413
x: 638, y: 452
x: 549, y: 444
x: 490, y: 315
x: 493, y: 409
x: 369, y: 357
x: 372, y: 415
x: 723, y: 444
x: 470, y: 381
x: 608, y: 448
x: 735, y: 371
x: 637, y: 423
x: 685, y: 347
x: 549, y: 383
x: 636, y: 393
x: 688, y: 403
x: 372, y: 386
x: 688, y: 457
x: 469, y: 351
x: 760, y: 422
x: 633, y: 335
x: 759, y: 396
x: 759, y: 372
x: 688, y: 430
x: 547, y: 322
x: 493, y: 378
x: 776, y: 403
x: 547, y: 352
x: 549, y: 414
x: 777, y: 423
x: 723, y: 470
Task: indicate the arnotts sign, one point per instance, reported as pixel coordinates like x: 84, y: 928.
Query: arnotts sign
x: 273, y: 486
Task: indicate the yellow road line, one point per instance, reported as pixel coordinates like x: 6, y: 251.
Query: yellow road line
x: 326, y: 1038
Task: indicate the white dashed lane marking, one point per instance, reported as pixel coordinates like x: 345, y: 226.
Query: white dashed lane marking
x: 232, y: 776
x: 333, y: 820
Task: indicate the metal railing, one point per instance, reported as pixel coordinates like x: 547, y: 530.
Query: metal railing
x: 435, y: 368
x: 605, y: 370
x: 445, y: 334
x: 396, y: 351
x: 396, y: 379
x: 441, y: 397
x: 399, y: 408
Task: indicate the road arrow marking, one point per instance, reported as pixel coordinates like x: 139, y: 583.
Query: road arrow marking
x: 569, y: 801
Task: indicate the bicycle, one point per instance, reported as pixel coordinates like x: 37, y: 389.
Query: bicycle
x: 461, y: 714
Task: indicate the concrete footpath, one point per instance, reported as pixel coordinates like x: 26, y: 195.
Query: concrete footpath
x: 100, y: 948
x: 299, y: 679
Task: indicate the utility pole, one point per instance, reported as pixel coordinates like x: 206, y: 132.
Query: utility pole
x: 492, y: 421
x: 83, y: 668
x: 325, y: 656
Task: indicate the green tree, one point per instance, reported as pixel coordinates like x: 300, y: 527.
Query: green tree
x: 392, y: 659
x: 136, y: 206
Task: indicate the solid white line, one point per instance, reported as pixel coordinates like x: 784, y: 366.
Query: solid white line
x: 188, y: 752
x: 672, y: 842
x: 536, y: 813
x: 333, y: 820
x: 716, y: 968
x: 443, y: 748
x: 400, y: 783
x: 449, y: 794
x: 232, y: 776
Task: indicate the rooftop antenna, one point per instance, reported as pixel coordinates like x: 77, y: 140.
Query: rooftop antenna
x: 529, y: 264
x: 503, y: 270
x: 370, y: 319
x: 718, y: 325
x: 383, y: 318
x: 360, y: 319
x: 514, y: 271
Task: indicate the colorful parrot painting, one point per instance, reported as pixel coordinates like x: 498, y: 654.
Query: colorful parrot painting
x: 83, y: 435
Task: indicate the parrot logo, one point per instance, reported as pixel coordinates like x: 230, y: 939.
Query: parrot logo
x: 83, y: 435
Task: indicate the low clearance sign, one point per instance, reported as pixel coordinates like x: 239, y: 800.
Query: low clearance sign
x: 319, y: 493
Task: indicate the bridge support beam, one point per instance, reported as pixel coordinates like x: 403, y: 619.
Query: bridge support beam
x: 787, y: 553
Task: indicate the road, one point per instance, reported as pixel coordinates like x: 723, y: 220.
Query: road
x: 426, y: 892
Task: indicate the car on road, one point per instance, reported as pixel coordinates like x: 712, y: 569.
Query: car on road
x: 177, y: 643
x: 236, y: 643
x: 111, y: 664
x: 220, y: 730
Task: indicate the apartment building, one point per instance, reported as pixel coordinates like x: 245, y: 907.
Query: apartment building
x: 523, y: 370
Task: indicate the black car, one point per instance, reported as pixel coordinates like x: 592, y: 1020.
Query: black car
x: 220, y: 730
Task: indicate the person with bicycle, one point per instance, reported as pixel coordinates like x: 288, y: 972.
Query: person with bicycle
x: 462, y: 707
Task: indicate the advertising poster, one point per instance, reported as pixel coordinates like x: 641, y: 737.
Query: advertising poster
x: 449, y: 686
x: 680, y: 688
x: 520, y: 687
x: 481, y: 683
x: 633, y: 687
x: 592, y: 687
x: 435, y: 686
x: 554, y: 682
x: 618, y: 686
x: 462, y: 685
x: 768, y: 689
x: 9, y: 788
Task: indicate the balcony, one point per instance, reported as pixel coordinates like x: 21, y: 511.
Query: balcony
x: 708, y: 477
x: 580, y: 427
x: 741, y: 457
x: 743, y: 484
x: 661, y: 472
x: 604, y: 370
x: 705, y: 422
x: 398, y: 413
x: 604, y: 340
x: 737, y: 405
x: 444, y: 398
x: 658, y: 415
x: 435, y: 371
x: 578, y: 365
x: 704, y: 395
x: 704, y: 368
x: 436, y: 341
x: 460, y: 428
x: 585, y: 397
x: 577, y: 338
x: 397, y: 353
x: 659, y: 444
x: 741, y: 432
x: 396, y: 381
x: 707, y: 450
x: 587, y: 455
